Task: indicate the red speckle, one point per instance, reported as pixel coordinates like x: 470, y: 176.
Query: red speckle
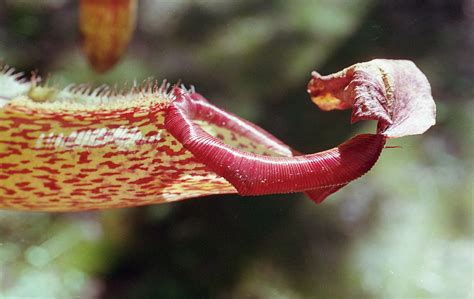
x: 47, y: 169
x: 143, y: 180
x: 7, y: 165
x: 72, y: 181
x: 110, y: 164
x: 84, y: 158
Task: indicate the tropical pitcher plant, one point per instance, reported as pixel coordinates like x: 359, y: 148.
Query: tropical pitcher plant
x: 80, y: 148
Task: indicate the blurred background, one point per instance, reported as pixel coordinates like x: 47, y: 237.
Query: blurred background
x: 405, y: 230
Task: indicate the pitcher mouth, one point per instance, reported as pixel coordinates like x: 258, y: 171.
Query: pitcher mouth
x: 258, y: 174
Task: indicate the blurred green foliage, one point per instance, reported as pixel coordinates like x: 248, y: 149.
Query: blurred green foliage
x: 402, y: 231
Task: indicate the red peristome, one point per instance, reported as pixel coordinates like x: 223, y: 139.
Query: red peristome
x: 252, y: 174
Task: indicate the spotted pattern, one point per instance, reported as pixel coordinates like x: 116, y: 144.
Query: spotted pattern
x: 80, y: 160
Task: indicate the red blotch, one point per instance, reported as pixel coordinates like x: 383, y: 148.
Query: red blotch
x: 110, y: 164
x: 47, y: 169
x: 84, y: 158
x: 143, y: 181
